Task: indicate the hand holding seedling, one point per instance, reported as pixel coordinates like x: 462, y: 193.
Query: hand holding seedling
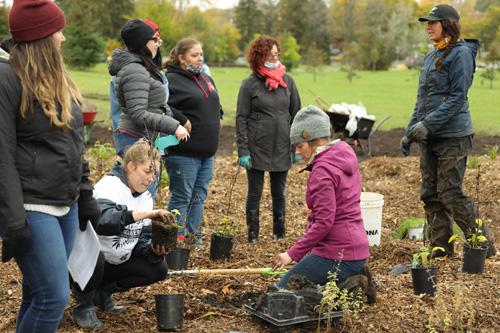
x: 163, y: 215
x: 159, y: 250
x: 281, y: 260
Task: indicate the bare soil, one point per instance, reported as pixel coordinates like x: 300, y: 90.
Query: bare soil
x: 464, y: 302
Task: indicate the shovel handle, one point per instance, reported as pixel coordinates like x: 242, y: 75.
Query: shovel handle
x: 231, y: 271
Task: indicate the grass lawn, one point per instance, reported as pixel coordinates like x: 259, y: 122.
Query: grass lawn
x: 382, y: 93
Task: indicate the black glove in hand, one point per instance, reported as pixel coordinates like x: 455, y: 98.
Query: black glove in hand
x: 15, y: 243
x: 88, y: 210
x: 418, y: 133
x: 404, y: 145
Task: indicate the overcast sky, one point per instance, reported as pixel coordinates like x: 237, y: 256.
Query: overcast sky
x: 215, y: 3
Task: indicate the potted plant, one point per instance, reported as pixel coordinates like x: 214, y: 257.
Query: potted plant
x: 474, y: 249
x: 222, y: 240
x: 423, y: 273
x: 178, y: 258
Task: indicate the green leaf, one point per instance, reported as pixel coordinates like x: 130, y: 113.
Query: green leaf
x: 481, y: 239
x: 438, y: 248
x: 208, y: 314
x: 452, y: 239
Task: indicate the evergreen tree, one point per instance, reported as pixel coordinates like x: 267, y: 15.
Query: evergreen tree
x: 248, y: 20
x: 84, y: 47
x: 293, y: 19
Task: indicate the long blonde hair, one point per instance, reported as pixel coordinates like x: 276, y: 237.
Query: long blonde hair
x: 40, y: 68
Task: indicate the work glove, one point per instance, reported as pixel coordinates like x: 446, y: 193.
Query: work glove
x: 245, y: 161
x: 418, y: 133
x: 15, y: 243
x: 88, y: 210
x: 404, y: 145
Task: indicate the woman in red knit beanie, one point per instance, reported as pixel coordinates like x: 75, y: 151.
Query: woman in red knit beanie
x: 44, y: 188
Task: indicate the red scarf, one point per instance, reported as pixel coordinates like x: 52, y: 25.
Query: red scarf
x: 274, y: 77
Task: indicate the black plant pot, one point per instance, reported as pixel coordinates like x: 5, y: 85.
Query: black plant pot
x: 424, y: 280
x: 473, y: 260
x: 220, y: 247
x: 169, y: 311
x: 178, y: 259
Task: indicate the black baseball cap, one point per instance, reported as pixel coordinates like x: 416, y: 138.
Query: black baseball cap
x: 441, y: 13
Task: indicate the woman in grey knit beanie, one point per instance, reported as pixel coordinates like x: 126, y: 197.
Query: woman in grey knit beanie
x: 335, y: 239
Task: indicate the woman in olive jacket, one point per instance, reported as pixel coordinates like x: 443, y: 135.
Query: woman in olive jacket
x: 441, y: 124
x: 267, y: 102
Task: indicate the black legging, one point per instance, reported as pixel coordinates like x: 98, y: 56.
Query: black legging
x: 135, y: 272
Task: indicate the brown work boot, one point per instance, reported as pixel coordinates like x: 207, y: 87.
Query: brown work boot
x: 362, y: 281
x: 371, y: 290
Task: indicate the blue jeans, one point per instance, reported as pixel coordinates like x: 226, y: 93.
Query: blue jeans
x: 316, y: 269
x: 189, y: 178
x: 45, y: 271
x: 122, y: 142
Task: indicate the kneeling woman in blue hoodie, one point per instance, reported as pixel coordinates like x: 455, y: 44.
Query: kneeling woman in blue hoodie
x: 124, y: 230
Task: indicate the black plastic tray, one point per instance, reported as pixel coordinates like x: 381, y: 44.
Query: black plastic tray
x: 287, y: 322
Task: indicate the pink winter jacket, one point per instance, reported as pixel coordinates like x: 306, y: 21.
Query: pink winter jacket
x: 335, y: 228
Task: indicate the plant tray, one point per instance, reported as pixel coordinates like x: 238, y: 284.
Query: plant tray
x: 286, y: 322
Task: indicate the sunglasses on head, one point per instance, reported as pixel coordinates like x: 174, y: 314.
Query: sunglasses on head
x: 157, y: 40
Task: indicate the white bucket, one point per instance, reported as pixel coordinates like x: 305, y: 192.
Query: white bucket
x: 416, y: 233
x: 371, y: 212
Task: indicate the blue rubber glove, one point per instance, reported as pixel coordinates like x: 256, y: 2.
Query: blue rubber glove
x: 404, y: 145
x: 297, y: 158
x: 418, y: 133
x: 245, y: 161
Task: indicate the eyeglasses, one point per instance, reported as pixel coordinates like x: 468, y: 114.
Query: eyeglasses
x: 157, y: 40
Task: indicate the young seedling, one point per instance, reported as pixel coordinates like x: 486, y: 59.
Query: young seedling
x: 336, y: 299
x: 423, y: 258
x: 476, y: 240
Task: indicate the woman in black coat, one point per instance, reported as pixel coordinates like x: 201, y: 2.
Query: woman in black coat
x: 267, y: 102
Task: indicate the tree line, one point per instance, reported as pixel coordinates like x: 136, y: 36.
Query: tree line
x: 363, y: 34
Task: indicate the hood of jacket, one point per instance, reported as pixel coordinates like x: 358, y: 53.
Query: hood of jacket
x: 178, y: 70
x: 121, y: 58
x: 118, y: 170
x: 340, y: 156
x: 473, y: 45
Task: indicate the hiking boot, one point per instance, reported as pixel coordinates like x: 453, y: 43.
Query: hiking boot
x: 253, y: 238
x: 103, y: 300
x: 371, y: 288
x: 84, y: 313
x: 252, y: 217
x: 197, y: 244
